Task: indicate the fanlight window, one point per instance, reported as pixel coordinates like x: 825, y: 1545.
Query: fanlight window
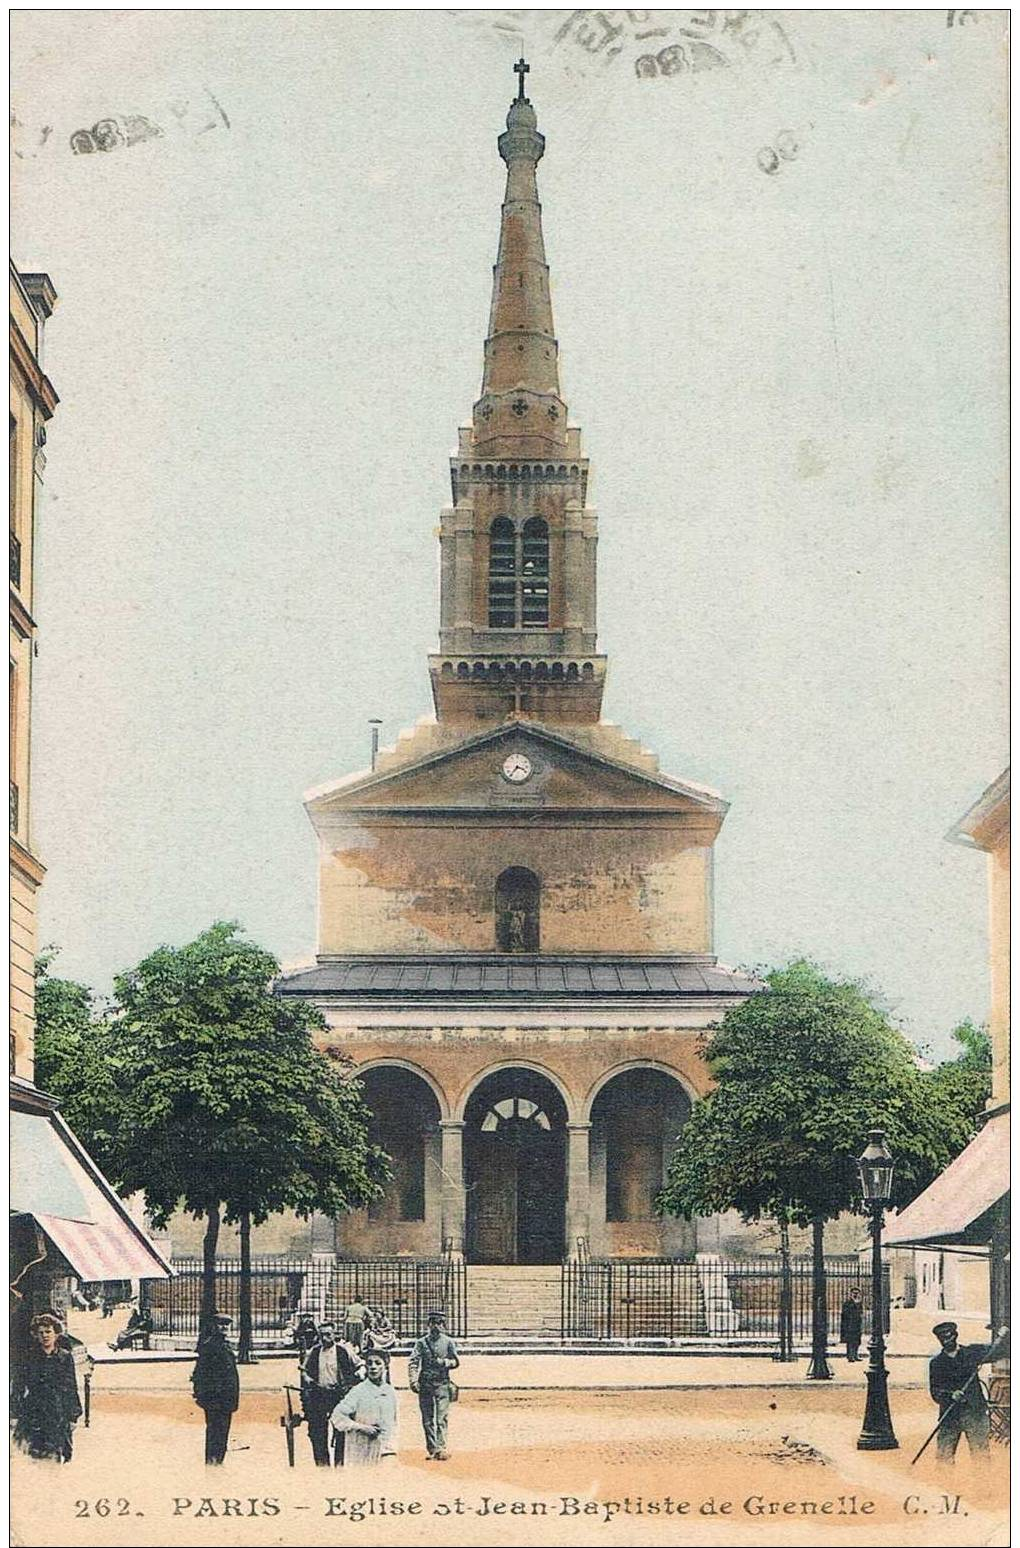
x: 518, y: 575
x: 521, y: 1109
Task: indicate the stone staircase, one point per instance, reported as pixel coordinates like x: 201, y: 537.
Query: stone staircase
x: 513, y: 1302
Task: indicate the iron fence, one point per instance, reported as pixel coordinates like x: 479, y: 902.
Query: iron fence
x: 709, y: 1298
x: 406, y: 1289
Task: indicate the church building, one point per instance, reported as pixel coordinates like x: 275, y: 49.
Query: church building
x: 515, y: 903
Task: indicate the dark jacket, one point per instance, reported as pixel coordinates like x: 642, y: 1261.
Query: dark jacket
x: 214, y: 1377
x: 948, y: 1374
x: 850, y: 1322
x: 47, y: 1404
x: 348, y: 1371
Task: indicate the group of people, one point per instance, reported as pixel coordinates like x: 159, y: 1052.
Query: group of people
x: 348, y: 1401
x: 347, y: 1396
x: 350, y: 1406
x: 365, y: 1327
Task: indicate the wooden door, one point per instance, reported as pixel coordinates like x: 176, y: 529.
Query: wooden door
x: 494, y: 1203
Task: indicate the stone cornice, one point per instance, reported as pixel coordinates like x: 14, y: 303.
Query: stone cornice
x: 38, y: 383
x: 23, y: 860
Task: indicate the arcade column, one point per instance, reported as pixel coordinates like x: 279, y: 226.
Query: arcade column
x: 452, y: 1164
x: 578, y: 1183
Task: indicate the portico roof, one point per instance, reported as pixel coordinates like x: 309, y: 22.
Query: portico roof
x: 499, y: 976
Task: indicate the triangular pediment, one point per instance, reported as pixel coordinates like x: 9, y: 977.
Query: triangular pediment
x: 520, y: 766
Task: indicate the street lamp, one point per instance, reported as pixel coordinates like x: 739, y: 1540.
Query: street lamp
x: 876, y: 1168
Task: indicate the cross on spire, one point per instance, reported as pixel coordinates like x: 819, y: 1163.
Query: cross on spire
x: 521, y: 69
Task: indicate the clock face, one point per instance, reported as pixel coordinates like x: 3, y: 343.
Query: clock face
x: 517, y: 768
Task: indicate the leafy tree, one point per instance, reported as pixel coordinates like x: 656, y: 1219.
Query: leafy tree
x: 73, y: 1058
x: 224, y: 1107
x: 803, y: 1071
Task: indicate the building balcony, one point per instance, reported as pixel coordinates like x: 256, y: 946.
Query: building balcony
x: 15, y: 560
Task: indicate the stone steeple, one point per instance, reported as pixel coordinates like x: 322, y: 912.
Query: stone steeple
x: 517, y: 617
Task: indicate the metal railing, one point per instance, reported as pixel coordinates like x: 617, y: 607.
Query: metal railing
x: 705, y: 1299
x: 15, y: 807
x: 15, y: 560
x: 406, y: 1289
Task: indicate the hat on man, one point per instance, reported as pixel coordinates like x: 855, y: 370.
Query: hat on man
x: 436, y: 1316
x: 943, y: 1329
x: 222, y: 1320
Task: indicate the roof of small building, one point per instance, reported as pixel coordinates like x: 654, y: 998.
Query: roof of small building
x: 488, y: 976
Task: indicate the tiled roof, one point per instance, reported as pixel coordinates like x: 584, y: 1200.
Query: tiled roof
x: 485, y: 977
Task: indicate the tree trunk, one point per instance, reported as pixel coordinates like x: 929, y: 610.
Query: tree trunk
x: 819, y: 1370
x: 245, y: 1347
x: 209, y: 1244
x: 785, y: 1295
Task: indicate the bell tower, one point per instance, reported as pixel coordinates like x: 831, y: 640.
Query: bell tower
x: 517, y: 590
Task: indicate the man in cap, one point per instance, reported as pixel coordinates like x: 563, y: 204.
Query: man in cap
x: 432, y: 1359
x: 954, y: 1386
x: 216, y: 1387
x: 328, y: 1372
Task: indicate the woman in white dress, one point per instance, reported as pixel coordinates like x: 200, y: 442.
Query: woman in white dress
x: 367, y: 1417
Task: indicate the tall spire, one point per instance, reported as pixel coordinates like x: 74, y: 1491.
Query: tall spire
x: 520, y: 411
x: 517, y: 591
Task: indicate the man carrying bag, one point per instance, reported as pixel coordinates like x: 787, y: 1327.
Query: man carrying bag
x: 432, y: 1359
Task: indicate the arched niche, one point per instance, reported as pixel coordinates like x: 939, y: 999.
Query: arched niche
x: 518, y: 910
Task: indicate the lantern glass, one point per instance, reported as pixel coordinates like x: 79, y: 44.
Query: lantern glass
x: 876, y: 1168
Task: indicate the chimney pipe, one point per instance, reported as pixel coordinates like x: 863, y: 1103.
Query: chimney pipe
x: 375, y: 724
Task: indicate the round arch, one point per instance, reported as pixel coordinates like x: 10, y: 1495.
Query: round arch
x: 515, y: 1165
x: 387, y: 1063
x: 554, y: 1080
x: 636, y: 1112
x: 637, y: 1064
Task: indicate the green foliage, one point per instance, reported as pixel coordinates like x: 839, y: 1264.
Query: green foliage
x: 74, y: 1059
x: 220, y: 1099
x: 960, y: 1087
x: 803, y: 1071
x: 975, y: 1046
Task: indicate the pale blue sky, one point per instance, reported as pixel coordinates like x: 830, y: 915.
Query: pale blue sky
x: 791, y: 387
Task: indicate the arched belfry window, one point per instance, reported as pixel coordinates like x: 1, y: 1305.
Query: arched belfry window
x: 518, y: 575
x: 517, y: 909
x: 502, y: 574
x: 535, y: 574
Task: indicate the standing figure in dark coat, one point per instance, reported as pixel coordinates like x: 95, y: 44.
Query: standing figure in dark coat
x: 217, y: 1388
x: 850, y: 1324
x: 46, y: 1402
x: 954, y: 1386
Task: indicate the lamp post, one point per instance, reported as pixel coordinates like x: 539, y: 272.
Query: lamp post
x: 876, y: 1168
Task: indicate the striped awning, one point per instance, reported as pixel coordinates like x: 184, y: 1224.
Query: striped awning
x: 98, y: 1252
x: 54, y: 1180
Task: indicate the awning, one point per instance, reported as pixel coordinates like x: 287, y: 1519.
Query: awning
x: 96, y: 1252
x: 56, y: 1182
x: 955, y: 1209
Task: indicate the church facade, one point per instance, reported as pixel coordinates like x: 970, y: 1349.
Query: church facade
x: 515, y: 903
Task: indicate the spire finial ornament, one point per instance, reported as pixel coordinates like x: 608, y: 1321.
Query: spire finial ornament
x: 521, y: 69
